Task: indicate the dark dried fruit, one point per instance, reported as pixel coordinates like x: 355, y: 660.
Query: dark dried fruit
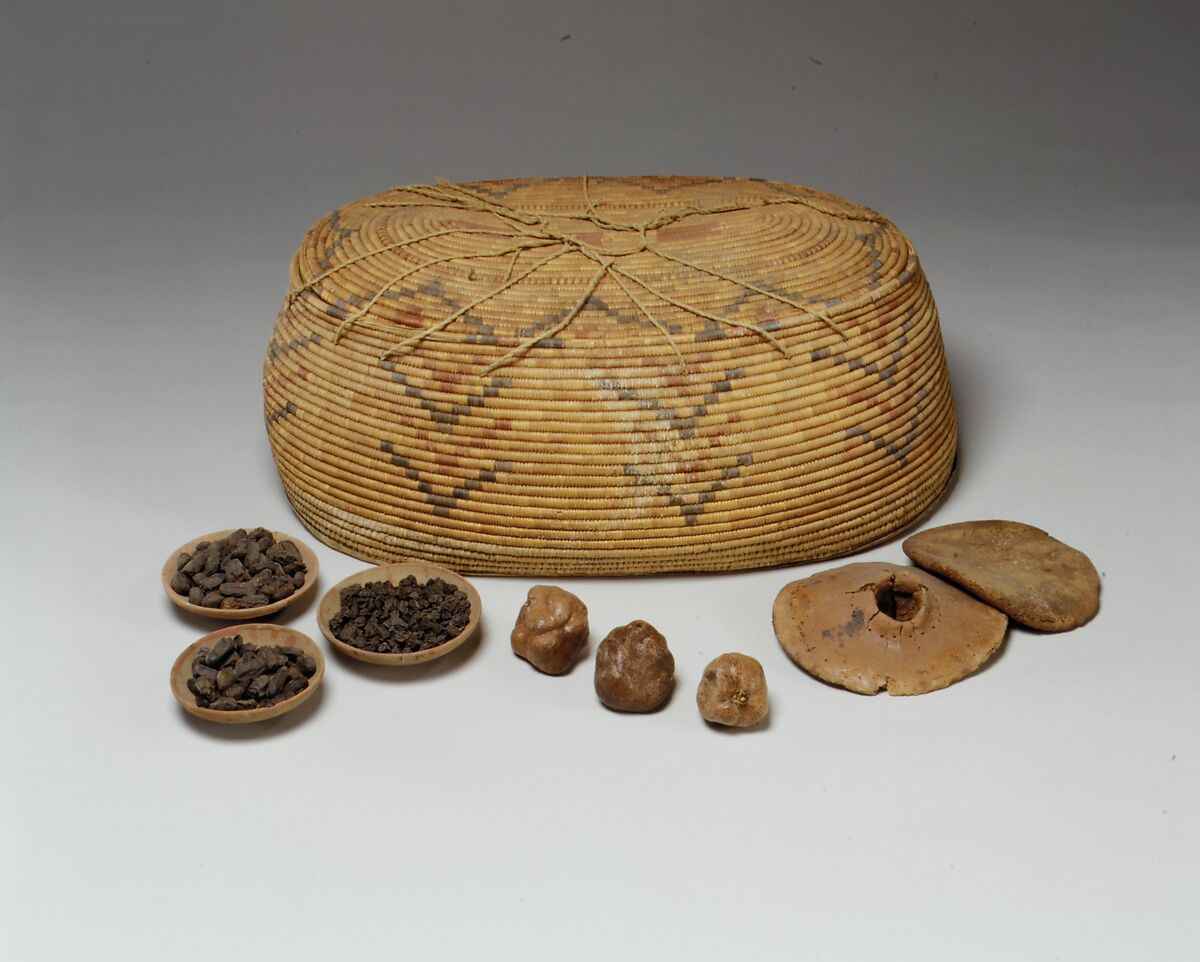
x: 220, y: 651
x: 249, y: 667
x: 276, y: 683
x: 284, y: 552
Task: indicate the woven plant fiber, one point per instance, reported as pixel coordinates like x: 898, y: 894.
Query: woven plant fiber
x: 607, y: 376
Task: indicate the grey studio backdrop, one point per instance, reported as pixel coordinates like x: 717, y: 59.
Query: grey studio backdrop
x: 158, y: 165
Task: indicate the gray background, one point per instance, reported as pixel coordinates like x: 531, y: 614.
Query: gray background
x: 158, y: 165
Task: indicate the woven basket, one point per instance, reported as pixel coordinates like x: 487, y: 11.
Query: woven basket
x: 607, y: 376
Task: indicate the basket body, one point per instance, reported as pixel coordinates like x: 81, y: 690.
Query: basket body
x: 607, y: 377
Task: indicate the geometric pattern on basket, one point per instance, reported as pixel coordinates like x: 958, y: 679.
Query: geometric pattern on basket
x: 603, y: 376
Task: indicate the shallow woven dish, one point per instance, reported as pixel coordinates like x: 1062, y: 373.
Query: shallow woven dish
x: 331, y: 604
x: 240, y: 614
x: 608, y: 376
x: 181, y: 671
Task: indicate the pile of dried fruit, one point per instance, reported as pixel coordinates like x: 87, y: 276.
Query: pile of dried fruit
x: 235, y: 675
x: 400, y: 618
x: 246, y: 569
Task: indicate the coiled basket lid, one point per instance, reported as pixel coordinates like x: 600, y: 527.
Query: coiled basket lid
x: 607, y: 376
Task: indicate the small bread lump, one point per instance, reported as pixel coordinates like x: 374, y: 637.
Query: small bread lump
x: 551, y: 629
x: 733, y: 691
x: 634, y: 668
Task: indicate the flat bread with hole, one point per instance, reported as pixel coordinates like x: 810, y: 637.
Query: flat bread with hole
x: 868, y: 627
